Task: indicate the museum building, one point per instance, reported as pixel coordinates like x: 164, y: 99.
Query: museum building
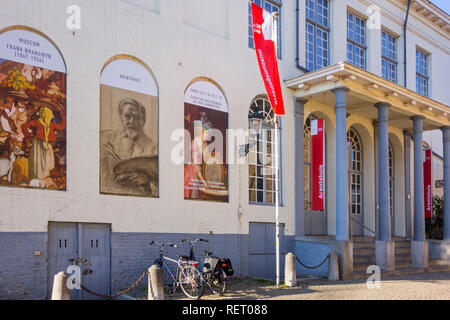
x: 104, y: 123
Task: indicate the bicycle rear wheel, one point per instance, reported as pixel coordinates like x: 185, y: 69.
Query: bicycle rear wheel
x: 219, y: 283
x: 191, y: 281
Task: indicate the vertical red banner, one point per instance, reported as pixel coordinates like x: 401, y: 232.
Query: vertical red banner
x: 318, y: 165
x: 264, y: 35
x: 428, y: 191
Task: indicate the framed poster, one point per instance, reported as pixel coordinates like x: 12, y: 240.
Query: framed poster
x: 206, y: 124
x: 32, y: 112
x: 128, y: 130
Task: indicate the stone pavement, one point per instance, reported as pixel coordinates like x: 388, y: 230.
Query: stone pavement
x: 430, y: 286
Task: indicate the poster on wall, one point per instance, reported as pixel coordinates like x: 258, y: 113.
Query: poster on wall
x: 318, y: 165
x: 206, y: 124
x: 32, y: 112
x: 128, y: 130
x: 428, y: 191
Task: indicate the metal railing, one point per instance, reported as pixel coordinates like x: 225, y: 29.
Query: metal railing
x: 367, y: 228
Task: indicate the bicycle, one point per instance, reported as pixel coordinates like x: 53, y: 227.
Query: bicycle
x: 187, y: 276
x: 213, y: 268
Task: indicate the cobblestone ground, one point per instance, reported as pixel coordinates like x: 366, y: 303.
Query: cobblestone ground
x: 429, y: 286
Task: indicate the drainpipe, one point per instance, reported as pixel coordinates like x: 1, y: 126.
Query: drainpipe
x: 404, y: 43
x: 297, y: 39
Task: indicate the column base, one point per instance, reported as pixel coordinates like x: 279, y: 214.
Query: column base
x: 419, y: 254
x: 344, y: 249
x: 439, y: 250
x: 385, y: 255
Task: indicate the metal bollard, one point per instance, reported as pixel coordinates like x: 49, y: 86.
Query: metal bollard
x: 60, y: 289
x: 155, y: 283
x: 333, y: 267
x: 290, y: 270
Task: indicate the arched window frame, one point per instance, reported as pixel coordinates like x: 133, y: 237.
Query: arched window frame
x: 307, y: 158
x: 391, y: 179
x: 356, y: 172
x: 262, y: 186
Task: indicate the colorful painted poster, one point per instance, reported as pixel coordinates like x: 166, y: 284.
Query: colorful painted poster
x: 206, y: 124
x: 128, y: 130
x: 428, y: 191
x: 318, y: 165
x: 32, y: 112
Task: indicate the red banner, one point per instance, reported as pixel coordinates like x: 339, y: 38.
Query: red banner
x: 318, y: 165
x: 428, y: 191
x: 264, y: 35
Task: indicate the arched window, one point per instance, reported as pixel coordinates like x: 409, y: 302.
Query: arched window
x: 355, y: 173
x: 307, y: 159
x: 262, y: 157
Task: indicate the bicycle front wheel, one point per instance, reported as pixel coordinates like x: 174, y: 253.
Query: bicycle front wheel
x: 191, y: 281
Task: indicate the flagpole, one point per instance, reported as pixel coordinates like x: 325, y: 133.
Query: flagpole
x: 277, y: 202
x: 277, y: 181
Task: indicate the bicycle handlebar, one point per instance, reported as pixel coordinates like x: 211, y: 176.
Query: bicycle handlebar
x: 162, y: 244
x: 192, y: 243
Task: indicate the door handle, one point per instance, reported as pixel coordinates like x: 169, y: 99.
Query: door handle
x: 77, y: 261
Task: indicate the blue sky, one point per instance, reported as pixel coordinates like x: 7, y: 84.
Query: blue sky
x: 443, y: 4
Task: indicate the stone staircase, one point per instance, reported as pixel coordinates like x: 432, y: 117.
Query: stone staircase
x: 402, y: 254
x: 364, y: 256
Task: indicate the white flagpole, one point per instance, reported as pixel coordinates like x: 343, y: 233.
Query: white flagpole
x: 277, y: 183
x: 277, y: 202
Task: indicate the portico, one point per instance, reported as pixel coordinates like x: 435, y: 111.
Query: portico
x: 369, y: 165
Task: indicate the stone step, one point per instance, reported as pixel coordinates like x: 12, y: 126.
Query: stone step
x: 360, y: 267
x: 402, y: 257
x: 364, y: 251
x: 402, y: 244
x: 403, y: 250
x: 438, y: 266
x: 368, y: 259
x: 357, y: 245
x: 402, y: 264
x: 363, y: 239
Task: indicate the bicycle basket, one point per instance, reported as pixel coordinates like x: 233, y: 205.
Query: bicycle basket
x: 210, y: 263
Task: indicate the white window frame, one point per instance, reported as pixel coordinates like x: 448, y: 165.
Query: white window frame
x: 351, y: 41
x: 262, y: 4
x: 264, y: 107
x: 317, y: 27
x: 422, y: 73
x: 391, y: 57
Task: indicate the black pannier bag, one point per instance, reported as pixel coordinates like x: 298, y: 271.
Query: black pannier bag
x: 227, y: 266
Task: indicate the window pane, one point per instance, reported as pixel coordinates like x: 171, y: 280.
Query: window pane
x: 263, y: 173
x: 316, y: 46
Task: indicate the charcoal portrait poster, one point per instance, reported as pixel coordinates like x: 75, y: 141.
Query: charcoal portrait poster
x: 206, y: 124
x: 128, y: 130
x: 32, y: 112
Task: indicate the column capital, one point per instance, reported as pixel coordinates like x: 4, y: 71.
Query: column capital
x: 446, y: 133
x: 300, y: 100
x: 417, y: 117
x: 383, y: 111
x: 341, y: 96
x: 383, y: 104
x: 340, y: 89
x: 299, y: 107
